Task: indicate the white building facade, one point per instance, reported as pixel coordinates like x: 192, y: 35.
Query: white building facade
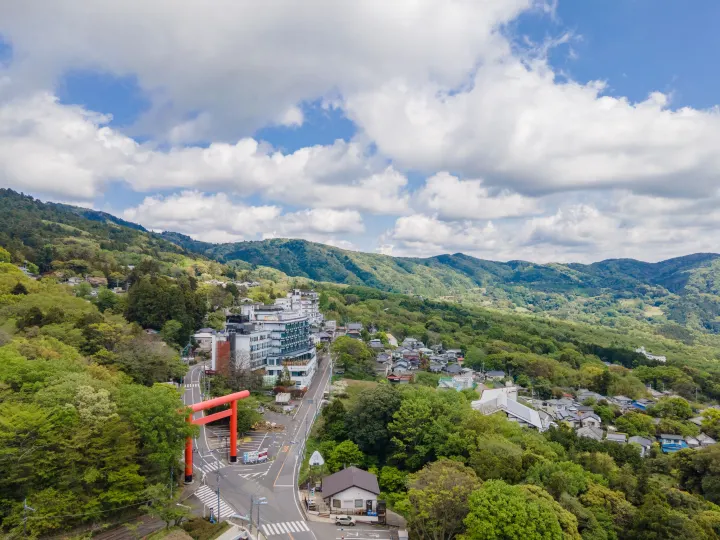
x: 290, y: 345
x: 307, y: 303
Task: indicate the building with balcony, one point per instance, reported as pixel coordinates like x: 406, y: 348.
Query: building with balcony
x: 250, y: 345
x: 307, y: 303
x: 290, y: 344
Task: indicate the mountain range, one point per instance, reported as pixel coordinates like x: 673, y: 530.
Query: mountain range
x: 679, y: 294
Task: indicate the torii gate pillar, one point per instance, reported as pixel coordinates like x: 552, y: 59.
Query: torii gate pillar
x: 232, y: 399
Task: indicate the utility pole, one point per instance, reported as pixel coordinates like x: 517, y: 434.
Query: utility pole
x: 172, y: 479
x: 218, y: 492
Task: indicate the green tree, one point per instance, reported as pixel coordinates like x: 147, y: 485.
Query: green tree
x: 5, y: 255
x: 172, y: 332
x: 498, y: 511
x: 635, y: 423
x: 354, y: 356
x: 106, y: 299
x: 675, y: 408
x: 437, y: 500
x: 83, y: 290
x: 344, y: 455
x: 392, y: 479
x: 711, y: 422
x: 367, y: 421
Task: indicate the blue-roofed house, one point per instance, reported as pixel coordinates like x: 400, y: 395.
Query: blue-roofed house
x: 672, y: 443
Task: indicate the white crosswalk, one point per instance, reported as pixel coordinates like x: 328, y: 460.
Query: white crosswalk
x: 210, y: 498
x: 192, y: 385
x: 249, y: 476
x: 283, y: 528
x: 208, y: 467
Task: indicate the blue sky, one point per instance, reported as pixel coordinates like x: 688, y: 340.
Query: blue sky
x: 516, y: 129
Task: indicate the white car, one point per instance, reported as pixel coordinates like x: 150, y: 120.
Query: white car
x: 345, y: 520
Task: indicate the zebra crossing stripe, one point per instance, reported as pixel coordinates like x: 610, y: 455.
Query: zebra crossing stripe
x: 285, y: 527
x: 209, y: 498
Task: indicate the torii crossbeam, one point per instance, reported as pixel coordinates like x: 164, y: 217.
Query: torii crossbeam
x: 232, y: 399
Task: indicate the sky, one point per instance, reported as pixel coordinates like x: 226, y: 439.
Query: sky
x: 550, y: 131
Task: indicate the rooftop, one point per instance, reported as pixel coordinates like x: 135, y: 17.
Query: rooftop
x: 347, y: 478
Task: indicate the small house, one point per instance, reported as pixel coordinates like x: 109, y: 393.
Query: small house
x: 644, y: 443
x: 591, y: 419
x: 376, y: 344
x: 495, y: 375
x: 620, y: 438
x: 590, y: 433
x: 705, y: 440
x: 671, y: 443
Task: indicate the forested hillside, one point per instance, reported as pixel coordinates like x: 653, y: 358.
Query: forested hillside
x: 85, y: 434
x: 682, y: 291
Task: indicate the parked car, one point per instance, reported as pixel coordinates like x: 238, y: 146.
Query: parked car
x: 345, y: 520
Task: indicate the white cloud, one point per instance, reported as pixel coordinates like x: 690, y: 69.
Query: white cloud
x: 425, y: 235
x: 69, y: 152
x: 519, y: 128
x: 453, y: 198
x: 215, y: 218
x: 244, y: 64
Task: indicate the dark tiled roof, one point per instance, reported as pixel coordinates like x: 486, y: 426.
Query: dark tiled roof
x: 347, y: 478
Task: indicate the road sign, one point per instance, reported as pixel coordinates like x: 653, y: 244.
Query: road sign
x: 250, y: 457
x: 316, y: 459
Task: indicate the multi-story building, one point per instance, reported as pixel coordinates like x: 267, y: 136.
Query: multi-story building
x: 307, y: 303
x: 283, y: 341
x: 250, y: 345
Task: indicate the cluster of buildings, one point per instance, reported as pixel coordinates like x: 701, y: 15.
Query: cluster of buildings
x: 569, y: 410
x: 268, y: 339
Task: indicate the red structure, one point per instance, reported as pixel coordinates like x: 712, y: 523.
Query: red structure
x: 232, y: 399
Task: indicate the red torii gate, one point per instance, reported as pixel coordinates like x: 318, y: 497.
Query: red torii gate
x: 231, y: 412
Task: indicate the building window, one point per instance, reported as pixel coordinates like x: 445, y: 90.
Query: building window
x: 337, y: 503
x: 358, y: 503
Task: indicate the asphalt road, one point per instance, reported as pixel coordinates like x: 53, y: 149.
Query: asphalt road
x: 280, y: 517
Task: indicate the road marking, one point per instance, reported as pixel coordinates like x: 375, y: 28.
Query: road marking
x: 210, y: 499
x: 285, y: 527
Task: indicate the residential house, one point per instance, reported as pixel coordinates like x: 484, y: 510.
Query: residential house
x: 705, y: 440
x: 376, y: 344
x: 623, y: 402
x: 643, y: 404
x: 392, y: 340
x: 354, y: 330
x: 453, y: 354
x: 644, y: 443
x: 697, y: 420
x: 452, y: 369
x: 620, y: 438
x: 590, y: 433
x: 412, y: 343
x: 584, y: 394
x: 435, y: 368
x: 74, y: 281
x: 671, y: 443
x: 351, y: 491
x: 324, y: 337
x: 425, y: 351
x: 692, y: 442
x: 590, y: 420
x: 497, y: 400
x: 401, y: 378
x: 204, y: 338
x: 330, y: 326
x: 458, y: 382
x: 495, y: 375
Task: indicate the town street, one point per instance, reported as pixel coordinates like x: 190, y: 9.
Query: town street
x: 275, y: 480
